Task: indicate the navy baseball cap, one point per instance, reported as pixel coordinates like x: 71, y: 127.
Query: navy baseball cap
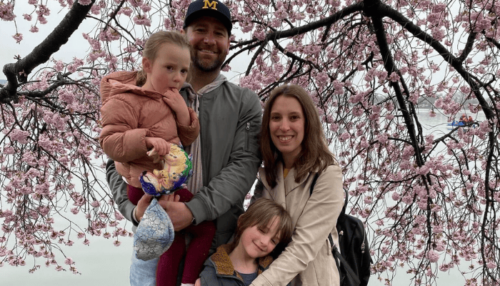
x: 211, y: 8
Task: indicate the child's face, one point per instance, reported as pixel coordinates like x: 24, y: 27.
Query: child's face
x: 169, y: 69
x: 260, y: 241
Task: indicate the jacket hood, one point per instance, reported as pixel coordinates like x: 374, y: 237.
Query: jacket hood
x: 123, y: 82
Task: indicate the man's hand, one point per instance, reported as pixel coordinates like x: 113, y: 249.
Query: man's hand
x: 179, y: 214
x: 178, y: 105
x: 144, y: 202
x: 197, y: 283
x: 142, y: 205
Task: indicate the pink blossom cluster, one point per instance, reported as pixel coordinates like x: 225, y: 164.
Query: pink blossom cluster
x: 110, y: 34
x: 142, y: 20
x: 18, y: 37
x: 7, y: 11
x: 18, y: 135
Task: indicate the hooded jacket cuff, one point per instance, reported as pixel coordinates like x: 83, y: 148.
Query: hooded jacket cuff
x: 198, y: 209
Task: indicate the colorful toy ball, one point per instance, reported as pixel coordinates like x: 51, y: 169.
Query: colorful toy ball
x: 177, y: 168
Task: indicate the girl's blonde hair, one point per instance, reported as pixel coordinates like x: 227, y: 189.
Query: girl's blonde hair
x: 154, y: 43
x: 261, y: 213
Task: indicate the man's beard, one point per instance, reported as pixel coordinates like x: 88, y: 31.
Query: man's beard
x: 210, y: 67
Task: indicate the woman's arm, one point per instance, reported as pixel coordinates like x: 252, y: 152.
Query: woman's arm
x: 318, y: 219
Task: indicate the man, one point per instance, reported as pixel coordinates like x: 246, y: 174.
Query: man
x: 226, y: 154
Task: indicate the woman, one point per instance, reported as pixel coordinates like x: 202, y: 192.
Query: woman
x: 294, y: 149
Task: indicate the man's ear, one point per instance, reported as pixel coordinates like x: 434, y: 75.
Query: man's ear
x: 147, y: 66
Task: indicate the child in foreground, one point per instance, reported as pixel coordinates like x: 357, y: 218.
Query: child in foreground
x: 265, y: 227
x: 143, y: 112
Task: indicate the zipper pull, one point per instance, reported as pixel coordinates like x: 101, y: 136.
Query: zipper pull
x: 248, y: 126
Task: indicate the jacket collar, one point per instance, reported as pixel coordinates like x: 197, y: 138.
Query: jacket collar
x: 289, y: 182
x: 192, y: 95
x: 224, y: 266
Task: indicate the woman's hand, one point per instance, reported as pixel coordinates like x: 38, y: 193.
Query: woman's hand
x: 158, y: 146
x: 178, y: 106
x: 198, y: 282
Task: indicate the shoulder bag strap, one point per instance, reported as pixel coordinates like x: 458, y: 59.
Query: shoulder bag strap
x: 352, y: 278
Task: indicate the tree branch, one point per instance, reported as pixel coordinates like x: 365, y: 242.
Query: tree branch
x: 315, y: 25
x: 385, y: 10
x: 468, y: 47
x: 306, y: 28
x: 43, y: 51
x: 491, y: 40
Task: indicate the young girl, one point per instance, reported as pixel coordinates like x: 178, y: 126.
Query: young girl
x: 264, y: 227
x: 144, y: 111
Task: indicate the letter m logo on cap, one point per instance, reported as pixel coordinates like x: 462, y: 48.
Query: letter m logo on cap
x: 210, y: 4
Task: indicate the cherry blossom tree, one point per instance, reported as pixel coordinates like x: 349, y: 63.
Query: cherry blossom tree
x: 430, y: 202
